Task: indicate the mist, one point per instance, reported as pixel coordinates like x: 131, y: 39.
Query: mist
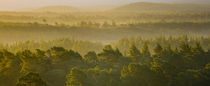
x: 104, y: 43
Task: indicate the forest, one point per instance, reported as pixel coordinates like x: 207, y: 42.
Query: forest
x: 156, y: 63
x: 136, y: 44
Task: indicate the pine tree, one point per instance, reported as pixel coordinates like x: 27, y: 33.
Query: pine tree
x: 186, y: 49
x: 158, y: 50
x: 109, y: 55
x: 134, y: 52
x: 167, y: 52
x: 198, y: 49
x: 118, y: 53
x: 145, y: 51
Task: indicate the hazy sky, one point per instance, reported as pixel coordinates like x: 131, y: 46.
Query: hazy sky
x: 22, y: 4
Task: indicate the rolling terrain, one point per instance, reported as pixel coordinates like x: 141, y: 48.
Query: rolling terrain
x: 161, y: 7
x: 130, y: 20
x: 55, y: 9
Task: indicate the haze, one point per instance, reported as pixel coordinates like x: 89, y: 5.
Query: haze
x: 25, y: 4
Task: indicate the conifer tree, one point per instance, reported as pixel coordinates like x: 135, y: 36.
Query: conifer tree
x: 134, y: 52
x: 158, y: 50
x: 145, y: 51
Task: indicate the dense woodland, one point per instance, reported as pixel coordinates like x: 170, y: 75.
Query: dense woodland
x: 138, y: 44
x: 167, y: 63
x: 123, y: 44
x: 105, y: 32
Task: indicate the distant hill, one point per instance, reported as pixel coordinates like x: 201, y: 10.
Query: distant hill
x: 56, y: 9
x: 97, y: 8
x: 149, y: 6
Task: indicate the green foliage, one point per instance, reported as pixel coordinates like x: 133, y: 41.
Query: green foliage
x: 207, y: 70
x: 191, y: 78
x: 179, y: 63
x: 102, y: 77
x: 9, y: 68
x: 109, y: 54
x: 164, y: 41
x: 91, y: 77
x: 163, y: 68
x: 138, y: 74
x: 91, y: 57
x: 31, y: 79
x: 134, y: 53
x: 158, y: 49
x: 145, y: 51
x: 76, y: 78
x: 68, y: 43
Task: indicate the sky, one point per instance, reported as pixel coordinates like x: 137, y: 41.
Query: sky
x: 25, y: 4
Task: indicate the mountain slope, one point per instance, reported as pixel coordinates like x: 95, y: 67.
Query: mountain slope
x: 147, y: 6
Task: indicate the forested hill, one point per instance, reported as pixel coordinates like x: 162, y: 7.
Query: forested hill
x: 148, y: 6
x: 105, y: 32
